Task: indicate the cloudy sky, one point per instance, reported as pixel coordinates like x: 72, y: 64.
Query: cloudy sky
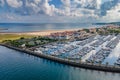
x: 81, y: 11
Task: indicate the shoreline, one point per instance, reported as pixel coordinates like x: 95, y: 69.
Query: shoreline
x: 90, y: 66
x: 38, y: 33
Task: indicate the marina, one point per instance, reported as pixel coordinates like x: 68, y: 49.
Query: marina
x: 92, y: 50
x: 59, y: 39
x: 84, y: 48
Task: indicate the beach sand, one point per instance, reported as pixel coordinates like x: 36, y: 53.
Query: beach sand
x: 38, y: 33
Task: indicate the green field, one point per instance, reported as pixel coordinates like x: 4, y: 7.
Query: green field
x: 13, y: 36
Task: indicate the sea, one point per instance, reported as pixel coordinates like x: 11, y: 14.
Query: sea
x: 16, y: 65
x: 32, y: 27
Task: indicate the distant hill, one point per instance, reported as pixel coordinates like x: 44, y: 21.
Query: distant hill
x: 114, y: 23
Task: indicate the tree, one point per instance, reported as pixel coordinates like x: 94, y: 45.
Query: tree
x: 22, y: 38
x: 87, y: 30
x: 97, y: 29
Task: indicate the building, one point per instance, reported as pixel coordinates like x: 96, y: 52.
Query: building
x: 92, y: 30
x: 62, y: 35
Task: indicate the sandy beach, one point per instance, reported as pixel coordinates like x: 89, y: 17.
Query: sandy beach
x: 38, y: 33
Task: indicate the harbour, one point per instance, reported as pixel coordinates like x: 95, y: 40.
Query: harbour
x: 59, y: 40
x: 70, y: 62
x: 85, y: 48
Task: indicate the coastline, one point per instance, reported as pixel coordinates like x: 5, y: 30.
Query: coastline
x: 39, y: 33
x: 102, y: 67
x: 17, y: 35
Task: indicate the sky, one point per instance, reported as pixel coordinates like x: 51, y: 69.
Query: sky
x: 60, y: 11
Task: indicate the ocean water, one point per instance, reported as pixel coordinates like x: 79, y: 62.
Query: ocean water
x: 29, y: 27
x: 16, y: 65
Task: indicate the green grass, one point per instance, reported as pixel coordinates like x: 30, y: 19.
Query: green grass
x: 13, y: 36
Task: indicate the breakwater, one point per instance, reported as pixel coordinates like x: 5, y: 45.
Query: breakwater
x: 106, y: 68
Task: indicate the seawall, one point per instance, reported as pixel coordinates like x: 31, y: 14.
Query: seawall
x: 98, y: 67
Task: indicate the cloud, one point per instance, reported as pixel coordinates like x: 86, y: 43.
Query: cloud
x: 90, y: 4
x: 15, y: 3
x: 113, y: 13
x: 69, y: 10
x: 37, y: 1
x: 66, y: 6
x: 1, y: 3
x: 108, y: 6
x: 48, y: 9
x: 31, y: 7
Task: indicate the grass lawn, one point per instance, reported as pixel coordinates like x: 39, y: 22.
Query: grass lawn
x: 13, y: 36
